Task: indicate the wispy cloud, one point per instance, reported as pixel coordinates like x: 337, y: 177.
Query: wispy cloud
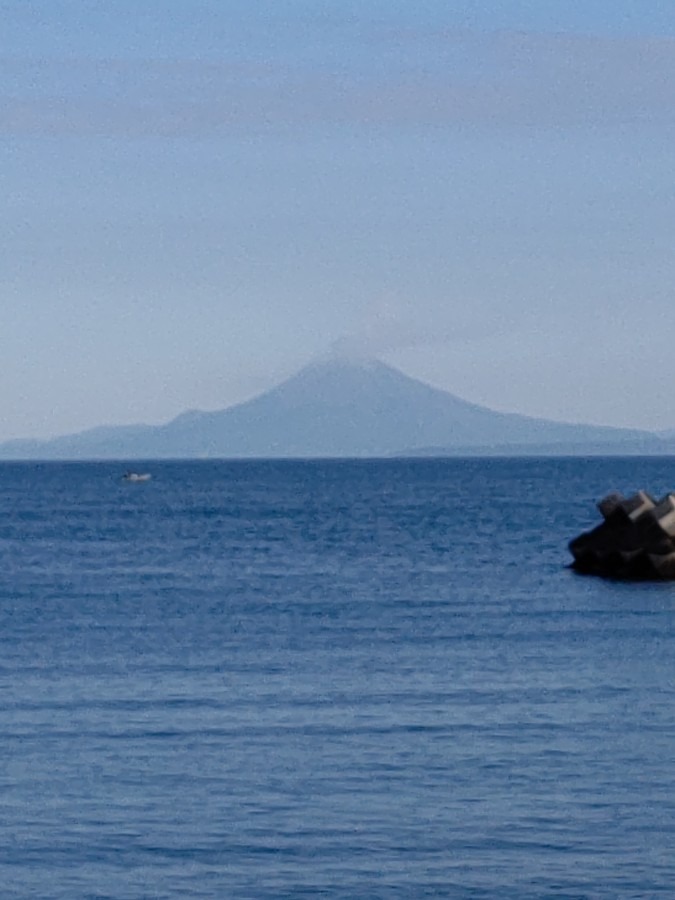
x: 387, y: 325
x: 446, y: 79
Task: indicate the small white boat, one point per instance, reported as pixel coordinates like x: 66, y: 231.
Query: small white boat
x: 136, y: 476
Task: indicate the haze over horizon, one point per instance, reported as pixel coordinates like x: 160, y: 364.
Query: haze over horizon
x: 202, y: 198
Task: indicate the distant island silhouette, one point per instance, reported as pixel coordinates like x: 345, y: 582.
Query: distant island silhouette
x: 344, y: 408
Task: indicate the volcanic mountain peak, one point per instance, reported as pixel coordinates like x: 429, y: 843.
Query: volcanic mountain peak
x: 346, y: 407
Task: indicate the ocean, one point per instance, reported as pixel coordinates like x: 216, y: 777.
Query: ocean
x: 336, y: 679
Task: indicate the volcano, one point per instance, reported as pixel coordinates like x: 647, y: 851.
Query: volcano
x: 342, y: 408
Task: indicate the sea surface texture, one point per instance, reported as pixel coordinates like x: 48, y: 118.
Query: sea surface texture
x: 332, y: 679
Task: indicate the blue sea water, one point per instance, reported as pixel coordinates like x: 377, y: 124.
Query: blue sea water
x: 337, y: 679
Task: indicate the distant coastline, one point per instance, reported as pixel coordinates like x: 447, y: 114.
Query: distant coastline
x: 345, y: 409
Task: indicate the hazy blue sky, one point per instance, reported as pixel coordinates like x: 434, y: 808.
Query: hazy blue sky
x: 199, y: 197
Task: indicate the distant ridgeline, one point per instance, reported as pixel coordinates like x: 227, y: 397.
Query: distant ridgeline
x: 636, y: 540
x: 344, y: 408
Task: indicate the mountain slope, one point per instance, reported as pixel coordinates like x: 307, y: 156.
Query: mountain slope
x: 333, y: 409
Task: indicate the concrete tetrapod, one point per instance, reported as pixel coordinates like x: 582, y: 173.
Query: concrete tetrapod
x: 635, y: 540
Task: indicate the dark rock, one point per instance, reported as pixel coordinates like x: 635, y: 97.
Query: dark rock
x: 636, y: 540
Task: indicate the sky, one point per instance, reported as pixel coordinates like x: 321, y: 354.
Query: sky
x: 202, y: 196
